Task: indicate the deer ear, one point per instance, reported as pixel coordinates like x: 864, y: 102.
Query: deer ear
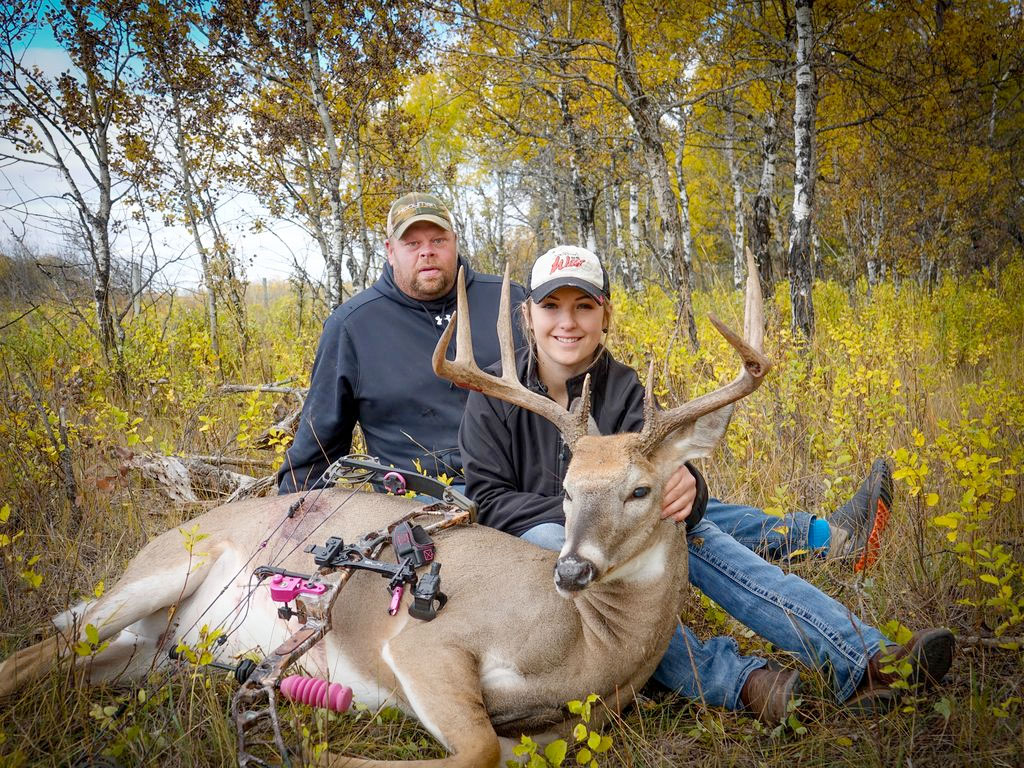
x: 695, y: 440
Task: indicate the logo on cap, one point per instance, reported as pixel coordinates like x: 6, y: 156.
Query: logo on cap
x: 565, y: 262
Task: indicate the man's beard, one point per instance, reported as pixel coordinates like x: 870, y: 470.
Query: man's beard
x: 433, y: 287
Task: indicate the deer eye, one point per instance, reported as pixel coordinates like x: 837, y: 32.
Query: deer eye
x: 639, y: 493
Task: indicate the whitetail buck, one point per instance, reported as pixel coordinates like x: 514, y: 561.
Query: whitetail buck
x: 510, y: 648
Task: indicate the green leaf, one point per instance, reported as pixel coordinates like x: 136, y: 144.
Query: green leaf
x: 605, y: 745
x: 844, y: 741
x: 555, y: 752
x: 579, y: 732
x: 583, y: 756
x: 5, y: 513
x: 944, y: 707
x: 92, y: 634
x: 593, y: 740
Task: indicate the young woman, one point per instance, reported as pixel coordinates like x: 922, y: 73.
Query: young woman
x: 515, y: 461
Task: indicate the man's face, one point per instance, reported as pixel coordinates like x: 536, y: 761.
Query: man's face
x: 424, y: 260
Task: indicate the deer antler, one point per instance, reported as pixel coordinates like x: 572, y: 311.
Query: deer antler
x: 660, y: 424
x: 464, y: 371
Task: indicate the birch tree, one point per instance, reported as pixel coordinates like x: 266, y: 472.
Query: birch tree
x: 68, y: 123
x: 318, y: 79
x: 646, y: 116
x: 800, y: 261
x: 190, y: 99
x: 736, y: 182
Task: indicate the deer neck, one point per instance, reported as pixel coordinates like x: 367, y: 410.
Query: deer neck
x: 638, y: 603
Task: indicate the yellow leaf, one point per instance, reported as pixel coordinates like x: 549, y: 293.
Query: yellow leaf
x: 931, y: 499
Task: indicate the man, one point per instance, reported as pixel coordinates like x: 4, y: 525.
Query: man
x: 373, y: 366
x: 373, y: 363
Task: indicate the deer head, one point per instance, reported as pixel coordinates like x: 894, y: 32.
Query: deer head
x: 613, y: 485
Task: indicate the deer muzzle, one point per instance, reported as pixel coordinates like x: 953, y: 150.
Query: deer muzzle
x: 573, y: 574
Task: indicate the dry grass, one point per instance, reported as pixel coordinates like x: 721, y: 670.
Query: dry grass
x: 804, y: 440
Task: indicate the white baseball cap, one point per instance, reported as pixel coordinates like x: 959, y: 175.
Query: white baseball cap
x: 568, y: 265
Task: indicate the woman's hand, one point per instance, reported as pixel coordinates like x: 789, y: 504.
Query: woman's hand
x: 680, y: 491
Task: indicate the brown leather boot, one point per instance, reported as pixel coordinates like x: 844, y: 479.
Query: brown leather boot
x: 924, y: 660
x: 768, y: 691
x: 929, y: 654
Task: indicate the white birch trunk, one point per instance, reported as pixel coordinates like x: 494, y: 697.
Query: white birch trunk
x: 761, y: 230
x: 646, y: 114
x: 683, y: 116
x: 634, y: 219
x: 611, y: 242
x: 554, y: 201
x: 191, y: 206
x: 364, y: 232
x: 617, y: 204
x: 736, y: 180
x: 800, y: 257
x: 336, y: 235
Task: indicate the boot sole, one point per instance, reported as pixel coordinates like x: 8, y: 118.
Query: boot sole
x: 932, y: 656
x: 882, y: 477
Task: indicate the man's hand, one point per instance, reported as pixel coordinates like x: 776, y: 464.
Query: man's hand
x: 680, y: 491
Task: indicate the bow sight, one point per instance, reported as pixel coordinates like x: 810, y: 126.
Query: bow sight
x: 310, y: 597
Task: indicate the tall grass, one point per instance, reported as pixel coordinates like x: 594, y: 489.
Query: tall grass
x: 932, y: 380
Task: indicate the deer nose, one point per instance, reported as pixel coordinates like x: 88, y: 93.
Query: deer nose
x: 573, y: 574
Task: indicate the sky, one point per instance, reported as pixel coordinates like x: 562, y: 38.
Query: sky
x: 32, y: 209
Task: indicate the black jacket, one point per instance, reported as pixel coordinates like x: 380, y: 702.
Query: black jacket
x: 515, y: 460
x: 373, y: 366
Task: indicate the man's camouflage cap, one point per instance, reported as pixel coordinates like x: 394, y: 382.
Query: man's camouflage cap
x: 417, y: 206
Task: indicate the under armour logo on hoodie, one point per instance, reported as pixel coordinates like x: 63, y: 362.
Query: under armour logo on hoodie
x: 441, y: 320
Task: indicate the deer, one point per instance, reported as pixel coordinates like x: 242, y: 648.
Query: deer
x: 524, y: 630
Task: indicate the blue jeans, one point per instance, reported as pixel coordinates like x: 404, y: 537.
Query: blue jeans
x: 782, y: 608
x: 771, y: 537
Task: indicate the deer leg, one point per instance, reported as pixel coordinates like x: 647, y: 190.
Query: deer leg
x: 442, y: 687
x: 141, y: 592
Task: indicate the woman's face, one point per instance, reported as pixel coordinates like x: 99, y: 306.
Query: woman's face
x: 567, y: 325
